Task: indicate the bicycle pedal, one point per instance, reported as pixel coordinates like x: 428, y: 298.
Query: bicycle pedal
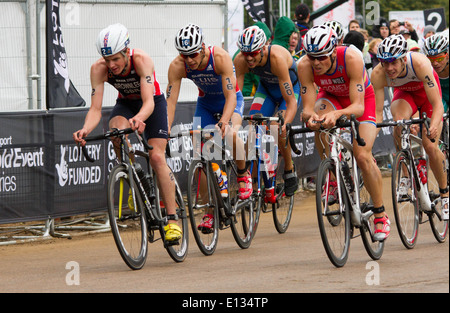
x: 171, y: 243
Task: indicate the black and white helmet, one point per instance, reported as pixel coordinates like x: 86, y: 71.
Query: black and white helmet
x: 337, y: 27
x: 251, y: 39
x: 392, y: 48
x: 435, y: 44
x: 189, y: 39
x: 320, y: 40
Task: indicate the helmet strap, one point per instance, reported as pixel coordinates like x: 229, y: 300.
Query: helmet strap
x: 332, y: 63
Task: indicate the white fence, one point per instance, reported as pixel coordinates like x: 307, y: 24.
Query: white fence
x: 152, y: 26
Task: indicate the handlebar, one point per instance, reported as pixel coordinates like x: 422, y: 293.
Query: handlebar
x: 113, y: 133
x: 342, y: 122
x: 424, y: 120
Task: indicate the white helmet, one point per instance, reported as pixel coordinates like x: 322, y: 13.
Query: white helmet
x: 113, y: 39
x: 251, y: 39
x: 320, y: 41
x: 189, y: 39
x: 337, y: 27
x: 435, y: 44
x: 392, y: 48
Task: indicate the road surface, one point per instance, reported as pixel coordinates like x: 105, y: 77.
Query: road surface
x: 293, y: 262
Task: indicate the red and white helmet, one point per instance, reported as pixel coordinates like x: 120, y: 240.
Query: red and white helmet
x: 251, y: 39
x: 320, y: 41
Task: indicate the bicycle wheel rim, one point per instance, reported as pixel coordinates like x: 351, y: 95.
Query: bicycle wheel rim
x: 373, y: 248
x: 179, y: 251
x: 202, y: 201
x: 406, y: 207
x: 439, y: 227
x: 334, y: 225
x: 282, y: 209
x: 128, y: 225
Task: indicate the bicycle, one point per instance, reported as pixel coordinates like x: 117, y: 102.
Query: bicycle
x: 282, y: 205
x: 412, y: 198
x: 205, y: 199
x: 340, y: 212
x: 134, y: 224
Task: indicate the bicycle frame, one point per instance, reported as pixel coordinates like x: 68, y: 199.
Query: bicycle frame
x: 338, y: 146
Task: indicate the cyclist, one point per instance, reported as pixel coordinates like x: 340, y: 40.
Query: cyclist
x: 278, y: 88
x: 140, y: 105
x: 436, y: 49
x: 212, y: 71
x: 345, y: 89
x: 416, y: 88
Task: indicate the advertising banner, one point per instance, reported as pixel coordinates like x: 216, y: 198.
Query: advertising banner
x: 60, y: 90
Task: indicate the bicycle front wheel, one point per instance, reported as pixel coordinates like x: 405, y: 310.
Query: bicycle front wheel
x: 439, y: 227
x: 404, y: 199
x: 334, y: 223
x: 127, y: 218
x: 282, y: 209
x: 203, y: 208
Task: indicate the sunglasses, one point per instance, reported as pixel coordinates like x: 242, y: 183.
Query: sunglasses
x: 192, y: 55
x: 251, y: 54
x: 437, y: 59
x: 388, y: 60
x: 321, y: 58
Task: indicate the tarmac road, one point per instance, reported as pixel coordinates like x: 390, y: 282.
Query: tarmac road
x: 292, y: 262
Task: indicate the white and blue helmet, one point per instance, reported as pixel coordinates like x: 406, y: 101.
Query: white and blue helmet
x: 189, y: 39
x: 251, y: 39
x: 435, y: 44
x: 392, y: 48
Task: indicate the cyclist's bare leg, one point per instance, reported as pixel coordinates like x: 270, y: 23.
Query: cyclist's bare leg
x: 401, y: 110
x: 437, y: 158
x: 238, y: 144
x: 119, y: 122
x: 165, y: 176
x: 371, y: 173
x: 285, y: 151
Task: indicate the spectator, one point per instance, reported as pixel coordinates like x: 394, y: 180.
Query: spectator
x: 428, y: 31
x: 302, y: 16
x: 381, y: 29
x: 412, y: 44
x: 373, y: 48
x: 394, y: 28
x: 355, y: 40
x: 283, y: 31
x: 293, y: 43
x: 354, y: 25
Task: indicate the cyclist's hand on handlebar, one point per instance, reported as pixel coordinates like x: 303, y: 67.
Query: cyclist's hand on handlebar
x: 222, y: 127
x: 79, y: 136
x: 137, y: 124
x: 433, y: 132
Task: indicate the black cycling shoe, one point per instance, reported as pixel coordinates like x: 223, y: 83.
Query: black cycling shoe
x: 290, y: 182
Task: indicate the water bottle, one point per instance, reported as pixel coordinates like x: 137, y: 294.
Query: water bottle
x: 143, y: 178
x: 422, y: 169
x: 268, y: 165
x: 221, y: 179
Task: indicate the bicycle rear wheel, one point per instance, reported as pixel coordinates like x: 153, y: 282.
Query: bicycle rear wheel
x: 128, y: 222
x: 245, y: 221
x: 404, y: 199
x: 178, y: 252
x: 202, y: 204
x: 282, y: 209
x: 373, y: 248
x: 334, y: 225
x: 439, y: 227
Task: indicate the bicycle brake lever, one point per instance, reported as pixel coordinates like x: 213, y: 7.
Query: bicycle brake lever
x: 427, y: 126
x: 355, y: 128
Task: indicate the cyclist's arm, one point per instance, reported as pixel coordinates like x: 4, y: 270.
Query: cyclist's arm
x: 355, y: 70
x: 224, y: 67
x: 145, y: 69
x: 99, y: 74
x: 280, y: 67
x: 425, y: 73
x: 241, y: 68
x: 378, y: 80
x: 175, y: 74
x: 308, y: 89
